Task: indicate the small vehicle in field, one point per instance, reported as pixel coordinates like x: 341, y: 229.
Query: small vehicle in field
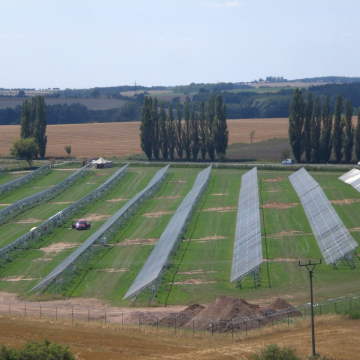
x: 288, y: 162
x: 81, y: 224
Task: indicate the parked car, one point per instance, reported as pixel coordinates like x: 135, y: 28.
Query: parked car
x: 81, y: 224
x: 288, y: 162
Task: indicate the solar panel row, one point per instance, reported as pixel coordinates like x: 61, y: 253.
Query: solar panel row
x: 117, y: 218
x: 170, y: 238
x: 353, y: 178
x: 333, y: 238
x: 247, y: 255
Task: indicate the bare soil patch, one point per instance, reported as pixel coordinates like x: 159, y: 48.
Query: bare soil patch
x: 5, y: 204
x: 178, y: 181
x: 62, y: 202
x: 275, y: 179
x: 289, y: 233
x: 110, y: 270
x: 345, y: 201
x: 280, y: 205
x: 193, y: 282
x: 128, y: 242
x: 220, y: 194
x: 221, y: 209
x: 117, y: 200
x: 168, y: 197
x: 29, y: 221
x: 194, y: 272
x: 207, y: 238
x: 95, y: 217
x: 58, y: 247
x: 157, y: 214
x: 354, y: 229
x: 17, y: 278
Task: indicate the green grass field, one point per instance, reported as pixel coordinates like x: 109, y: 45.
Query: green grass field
x: 200, y: 270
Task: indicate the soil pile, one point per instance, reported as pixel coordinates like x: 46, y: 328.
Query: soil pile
x: 227, y: 313
x: 182, y: 317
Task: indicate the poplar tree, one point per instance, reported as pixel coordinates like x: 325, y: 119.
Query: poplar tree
x: 194, y: 128
x: 155, y: 129
x: 171, y: 132
x: 164, y: 141
x: 202, y: 129
x: 325, y: 139
x: 337, y: 137
x: 179, y: 136
x: 187, y: 134
x: 39, y: 128
x: 296, y: 123
x: 357, y: 137
x: 25, y: 130
x: 349, y: 131
x: 307, y: 126
x: 316, y: 131
x: 221, y: 133
x: 146, y: 130
x: 210, y: 115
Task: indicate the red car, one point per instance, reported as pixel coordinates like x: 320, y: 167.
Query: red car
x: 81, y: 224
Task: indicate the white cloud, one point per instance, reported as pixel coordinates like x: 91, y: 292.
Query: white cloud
x: 185, y: 39
x: 229, y: 4
x: 160, y: 40
x: 2, y: 35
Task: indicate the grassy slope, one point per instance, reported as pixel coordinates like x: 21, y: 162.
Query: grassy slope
x: 207, y: 261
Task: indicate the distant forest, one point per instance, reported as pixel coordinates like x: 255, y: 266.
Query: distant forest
x: 242, y: 102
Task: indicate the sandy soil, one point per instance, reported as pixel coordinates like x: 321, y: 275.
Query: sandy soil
x: 29, y: 221
x: 58, y: 247
x: 275, y: 179
x: 280, y: 205
x: 221, y: 209
x: 157, y: 214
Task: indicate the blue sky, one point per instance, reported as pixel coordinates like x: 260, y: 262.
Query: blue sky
x: 81, y: 44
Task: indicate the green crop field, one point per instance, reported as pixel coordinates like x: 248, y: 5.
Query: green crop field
x: 200, y: 270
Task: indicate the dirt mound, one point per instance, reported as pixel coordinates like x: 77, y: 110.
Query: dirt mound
x: 277, y: 305
x: 182, y: 317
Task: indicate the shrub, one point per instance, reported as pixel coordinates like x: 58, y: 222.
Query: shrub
x: 35, y: 350
x: 274, y: 352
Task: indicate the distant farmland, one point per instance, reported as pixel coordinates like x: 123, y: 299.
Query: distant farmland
x: 121, y: 138
x: 91, y: 104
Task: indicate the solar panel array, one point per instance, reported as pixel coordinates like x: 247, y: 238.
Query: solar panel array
x: 170, y: 238
x: 333, y: 238
x: 107, y: 230
x: 247, y: 255
x: 24, y: 179
x: 45, y: 195
x: 353, y: 178
x: 60, y: 217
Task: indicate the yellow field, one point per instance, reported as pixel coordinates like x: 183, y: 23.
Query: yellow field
x: 336, y: 337
x: 120, y: 139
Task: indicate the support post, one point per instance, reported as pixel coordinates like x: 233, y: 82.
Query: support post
x: 310, y: 266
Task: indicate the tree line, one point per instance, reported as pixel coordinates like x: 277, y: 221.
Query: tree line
x: 317, y: 132
x: 33, y: 138
x: 189, y: 134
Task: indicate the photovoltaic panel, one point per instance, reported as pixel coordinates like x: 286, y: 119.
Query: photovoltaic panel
x: 170, y: 238
x: 333, y: 238
x: 100, y: 232
x: 247, y: 255
x: 350, y: 176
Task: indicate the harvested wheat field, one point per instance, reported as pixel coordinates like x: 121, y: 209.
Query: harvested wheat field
x: 336, y: 337
x: 122, y: 138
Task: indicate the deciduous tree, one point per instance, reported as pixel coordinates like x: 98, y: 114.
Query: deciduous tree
x: 26, y: 149
x: 327, y: 124
x: 307, y: 126
x: 146, y: 130
x: 164, y: 141
x: 296, y: 124
x: 316, y: 131
x: 349, y: 131
x: 337, y: 137
x: 179, y: 132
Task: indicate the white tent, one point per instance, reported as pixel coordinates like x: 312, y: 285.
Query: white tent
x: 101, y: 163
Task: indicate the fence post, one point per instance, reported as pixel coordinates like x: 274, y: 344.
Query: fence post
x: 305, y: 313
x: 157, y: 323
x: 288, y: 319
x: 122, y: 318
x: 350, y: 304
x: 88, y: 314
x: 320, y: 309
x: 272, y: 320
x: 105, y: 315
x: 40, y: 310
x: 56, y: 313
x: 25, y: 309
x: 139, y: 322
x: 72, y: 316
x: 335, y: 306
x: 259, y: 324
x: 193, y: 326
x: 246, y: 327
x: 9, y: 308
x: 175, y: 324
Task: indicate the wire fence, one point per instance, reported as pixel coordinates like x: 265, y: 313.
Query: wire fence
x: 157, y: 320
x: 39, y: 198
